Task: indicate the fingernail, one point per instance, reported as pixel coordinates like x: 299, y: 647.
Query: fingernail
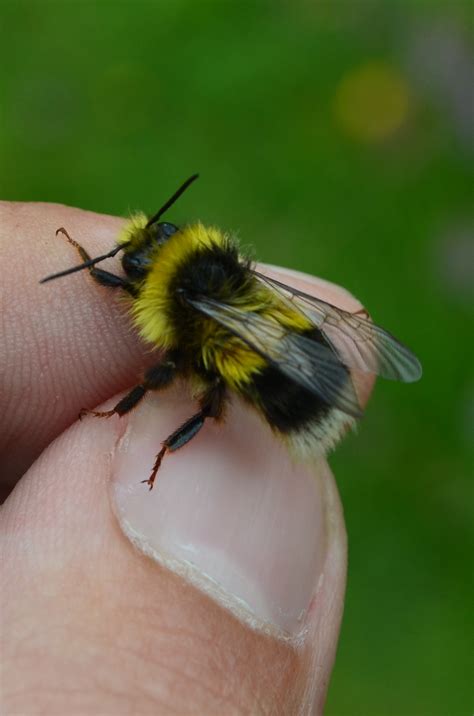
x: 229, y: 511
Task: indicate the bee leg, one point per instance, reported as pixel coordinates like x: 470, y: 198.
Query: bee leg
x: 156, y: 378
x: 104, y: 278
x: 123, y: 406
x: 212, y: 405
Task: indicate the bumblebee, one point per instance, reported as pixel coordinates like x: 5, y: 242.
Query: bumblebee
x: 226, y: 328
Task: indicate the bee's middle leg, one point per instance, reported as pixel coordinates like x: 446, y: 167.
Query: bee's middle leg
x: 156, y: 378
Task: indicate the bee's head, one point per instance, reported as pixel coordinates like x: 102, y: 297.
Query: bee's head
x: 139, y: 242
x: 161, y: 232
x: 142, y: 249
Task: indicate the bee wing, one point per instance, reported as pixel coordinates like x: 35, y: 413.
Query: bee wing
x: 306, y: 362
x: 360, y: 343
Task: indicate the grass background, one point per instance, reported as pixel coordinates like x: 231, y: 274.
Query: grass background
x: 335, y: 138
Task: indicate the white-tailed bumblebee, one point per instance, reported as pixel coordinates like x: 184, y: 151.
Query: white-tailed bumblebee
x: 225, y: 327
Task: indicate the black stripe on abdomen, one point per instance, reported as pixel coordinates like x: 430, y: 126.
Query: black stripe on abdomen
x: 286, y: 405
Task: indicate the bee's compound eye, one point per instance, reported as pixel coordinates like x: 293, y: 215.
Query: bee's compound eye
x: 166, y: 230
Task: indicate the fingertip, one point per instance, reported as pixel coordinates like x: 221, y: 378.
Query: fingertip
x: 66, y: 343
x: 281, y: 531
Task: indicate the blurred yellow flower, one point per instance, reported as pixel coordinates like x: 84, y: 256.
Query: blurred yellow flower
x: 372, y: 102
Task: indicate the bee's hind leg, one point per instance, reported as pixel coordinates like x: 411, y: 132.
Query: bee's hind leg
x: 212, y: 406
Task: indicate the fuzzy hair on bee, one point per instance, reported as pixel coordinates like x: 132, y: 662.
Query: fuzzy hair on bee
x: 228, y: 329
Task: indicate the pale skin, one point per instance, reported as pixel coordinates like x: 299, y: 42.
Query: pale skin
x: 89, y: 625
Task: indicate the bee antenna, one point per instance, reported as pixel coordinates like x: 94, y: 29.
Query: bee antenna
x: 156, y: 217
x: 86, y: 264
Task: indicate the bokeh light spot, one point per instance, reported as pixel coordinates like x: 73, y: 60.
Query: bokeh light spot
x: 372, y: 102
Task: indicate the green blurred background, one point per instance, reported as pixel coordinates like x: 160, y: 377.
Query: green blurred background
x: 336, y: 138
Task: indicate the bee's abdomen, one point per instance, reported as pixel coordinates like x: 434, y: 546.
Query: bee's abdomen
x: 309, y: 425
x: 286, y: 406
